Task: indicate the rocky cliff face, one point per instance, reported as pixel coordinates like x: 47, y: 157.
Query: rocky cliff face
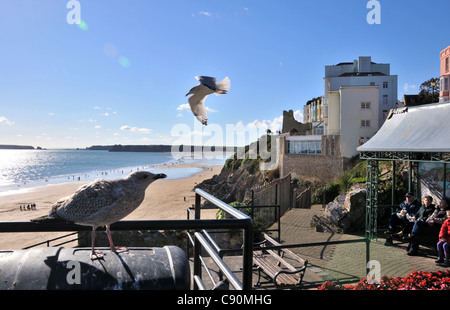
x: 234, y: 181
x: 346, y: 213
x: 239, y: 176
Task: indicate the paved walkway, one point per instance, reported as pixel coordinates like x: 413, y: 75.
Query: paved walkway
x: 346, y: 262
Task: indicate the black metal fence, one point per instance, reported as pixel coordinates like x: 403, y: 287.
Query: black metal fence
x: 238, y: 221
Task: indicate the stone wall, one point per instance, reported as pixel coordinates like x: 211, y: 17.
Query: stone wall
x: 325, y: 168
x: 290, y: 123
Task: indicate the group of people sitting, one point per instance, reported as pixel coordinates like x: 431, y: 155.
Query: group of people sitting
x: 414, y: 221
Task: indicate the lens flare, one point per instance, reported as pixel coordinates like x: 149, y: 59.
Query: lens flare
x: 83, y: 26
x: 124, y: 62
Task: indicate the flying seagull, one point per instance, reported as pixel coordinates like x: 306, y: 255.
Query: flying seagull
x: 207, y: 86
x: 101, y: 203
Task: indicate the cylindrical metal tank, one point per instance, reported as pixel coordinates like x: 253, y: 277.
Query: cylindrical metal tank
x: 54, y: 268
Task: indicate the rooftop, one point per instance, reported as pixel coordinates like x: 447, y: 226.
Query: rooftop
x: 422, y: 128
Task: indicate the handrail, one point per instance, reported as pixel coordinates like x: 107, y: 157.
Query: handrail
x: 121, y: 225
x: 228, y: 273
x: 53, y: 239
x: 243, y: 222
x: 222, y: 205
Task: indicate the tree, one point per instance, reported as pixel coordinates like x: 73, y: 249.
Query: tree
x: 429, y: 91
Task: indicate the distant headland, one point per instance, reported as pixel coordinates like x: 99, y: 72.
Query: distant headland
x: 18, y: 147
x: 159, y: 148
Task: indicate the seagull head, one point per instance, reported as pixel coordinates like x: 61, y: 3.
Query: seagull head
x: 190, y: 92
x: 145, y: 177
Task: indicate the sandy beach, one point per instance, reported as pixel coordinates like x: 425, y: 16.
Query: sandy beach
x: 164, y: 199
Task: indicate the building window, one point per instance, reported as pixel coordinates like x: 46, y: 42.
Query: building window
x: 365, y: 123
x: 446, y: 84
x: 372, y: 83
x: 305, y: 147
x: 385, y: 84
x: 446, y: 64
x: 318, y: 147
x: 385, y: 114
x: 385, y: 99
x: 365, y: 105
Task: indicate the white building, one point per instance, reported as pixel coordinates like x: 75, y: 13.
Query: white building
x: 357, y: 100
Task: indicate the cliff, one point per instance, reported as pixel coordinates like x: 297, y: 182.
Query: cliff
x: 237, y: 177
x: 15, y: 147
x: 141, y: 148
x: 158, y: 148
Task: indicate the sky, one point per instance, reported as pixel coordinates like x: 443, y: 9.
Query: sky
x: 121, y: 75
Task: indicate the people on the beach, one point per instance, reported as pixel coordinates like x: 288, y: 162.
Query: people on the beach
x: 401, y: 217
x: 443, y: 245
x: 28, y: 207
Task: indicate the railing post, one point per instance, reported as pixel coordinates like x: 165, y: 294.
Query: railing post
x: 247, y: 272
x: 197, y: 246
x: 367, y: 254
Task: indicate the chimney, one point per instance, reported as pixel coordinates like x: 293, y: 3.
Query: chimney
x: 364, y: 64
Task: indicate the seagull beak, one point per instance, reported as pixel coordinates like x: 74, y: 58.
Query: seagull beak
x: 159, y: 176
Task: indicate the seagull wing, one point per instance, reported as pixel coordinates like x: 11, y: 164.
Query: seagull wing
x: 208, y: 81
x: 196, y: 102
x: 90, y: 199
x: 222, y: 87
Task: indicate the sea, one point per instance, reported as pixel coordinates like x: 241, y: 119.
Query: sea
x: 25, y: 169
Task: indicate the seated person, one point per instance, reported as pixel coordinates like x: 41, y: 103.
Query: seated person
x: 405, y: 210
x: 440, y: 214
x: 443, y: 245
x: 421, y: 226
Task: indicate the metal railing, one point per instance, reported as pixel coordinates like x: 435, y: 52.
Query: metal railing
x: 47, y: 242
x: 238, y: 221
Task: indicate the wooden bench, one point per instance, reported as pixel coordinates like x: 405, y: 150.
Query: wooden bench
x: 276, y: 267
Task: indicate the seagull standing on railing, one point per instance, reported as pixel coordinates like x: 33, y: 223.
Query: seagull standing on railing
x: 207, y: 86
x: 102, y: 203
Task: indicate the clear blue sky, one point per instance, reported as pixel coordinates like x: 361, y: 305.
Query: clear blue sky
x: 121, y: 77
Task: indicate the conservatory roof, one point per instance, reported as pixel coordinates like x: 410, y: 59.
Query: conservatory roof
x: 424, y: 128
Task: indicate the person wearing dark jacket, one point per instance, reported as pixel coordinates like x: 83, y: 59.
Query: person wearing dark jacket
x: 407, y: 209
x: 421, y: 226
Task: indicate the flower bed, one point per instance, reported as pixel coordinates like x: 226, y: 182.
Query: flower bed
x: 417, y: 280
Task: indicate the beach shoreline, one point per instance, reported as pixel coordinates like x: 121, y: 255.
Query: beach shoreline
x: 164, y: 200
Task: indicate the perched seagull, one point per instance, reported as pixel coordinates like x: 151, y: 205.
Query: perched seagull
x: 102, y: 203
x: 207, y: 86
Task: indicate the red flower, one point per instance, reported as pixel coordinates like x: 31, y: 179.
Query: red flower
x: 417, y: 280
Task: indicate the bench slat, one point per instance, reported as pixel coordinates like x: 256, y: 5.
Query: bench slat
x: 287, y: 251
x: 265, y: 262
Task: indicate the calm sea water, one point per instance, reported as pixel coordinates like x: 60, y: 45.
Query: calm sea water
x: 31, y: 168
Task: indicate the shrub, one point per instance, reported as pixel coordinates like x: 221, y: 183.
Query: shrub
x: 358, y: 180
x: 345, y: 182
x: 273, y: 174
x: 331, y: 192
x: 220, y: 214
x: 253, y: 166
